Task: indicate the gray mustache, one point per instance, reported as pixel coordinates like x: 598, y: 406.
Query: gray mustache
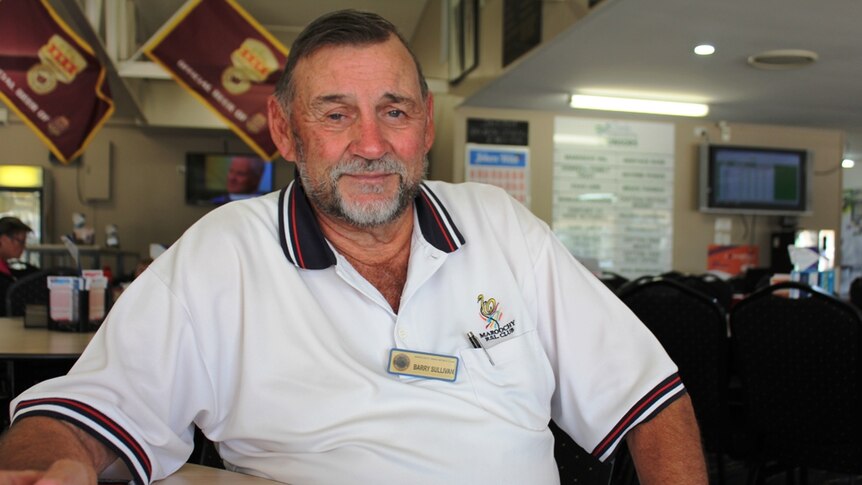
x: 359, y: 166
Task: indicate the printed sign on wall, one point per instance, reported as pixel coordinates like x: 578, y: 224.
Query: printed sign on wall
x: 505, y: 166
x: 613, y: 192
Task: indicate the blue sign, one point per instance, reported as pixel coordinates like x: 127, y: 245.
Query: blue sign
x: 497, y: 158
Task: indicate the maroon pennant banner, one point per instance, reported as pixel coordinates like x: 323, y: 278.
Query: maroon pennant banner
x: 51, y: 78
x: 217, y: 51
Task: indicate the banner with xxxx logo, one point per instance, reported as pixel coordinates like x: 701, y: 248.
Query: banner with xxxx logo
x: 228, y: 61
x: 51, y: 78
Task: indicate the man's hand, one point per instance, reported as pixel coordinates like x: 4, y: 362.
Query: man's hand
x: 61, y: 472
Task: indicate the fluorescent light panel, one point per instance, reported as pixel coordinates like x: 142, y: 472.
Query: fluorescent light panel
x: 20, y: 176
x: 632, y: 105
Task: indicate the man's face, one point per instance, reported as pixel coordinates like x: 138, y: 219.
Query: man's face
x: 11, y: 246
x: 241, y: 178
x: 360, y: 130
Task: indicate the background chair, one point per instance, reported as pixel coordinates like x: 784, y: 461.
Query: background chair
x: 692, y: 327
x: 205, y: 452
x: 799, y: 363
x: 32, y: 289
x: 856, y: 292
x: 575, y: 464
x: 612, y: 280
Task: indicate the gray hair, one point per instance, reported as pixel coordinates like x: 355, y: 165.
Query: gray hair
x: 343, y: 27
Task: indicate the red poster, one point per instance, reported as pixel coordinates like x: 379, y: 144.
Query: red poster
x: 228, y: 61
x: 51, y: 78
x: 732, y: 260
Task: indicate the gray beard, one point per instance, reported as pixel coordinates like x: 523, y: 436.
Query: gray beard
x: 326, y: 197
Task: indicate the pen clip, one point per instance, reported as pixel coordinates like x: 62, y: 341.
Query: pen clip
x: 477, y: 344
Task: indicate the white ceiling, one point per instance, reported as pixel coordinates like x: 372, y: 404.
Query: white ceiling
x: 143, y: 92
x: 645, y: 47
x: 640, y: 47
x: 284, y: 19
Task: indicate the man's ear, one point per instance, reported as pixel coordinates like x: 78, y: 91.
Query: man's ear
x: 279, y: 130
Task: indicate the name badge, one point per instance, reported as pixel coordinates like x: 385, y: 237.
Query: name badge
x: 424, y: 365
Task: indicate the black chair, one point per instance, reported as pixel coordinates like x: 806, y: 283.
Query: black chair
x: 692, y: 327
x: 612, y: 280
x: 715, y: 287
x: 575, y: 464
x: 751, y: 280
x: 205, y: 452
x: 19, y: 270
x: 856, y: 292
x: 32, y: 289
x: 799, y: 363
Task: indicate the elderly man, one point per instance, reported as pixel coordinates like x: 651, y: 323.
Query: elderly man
x: 362, y: 325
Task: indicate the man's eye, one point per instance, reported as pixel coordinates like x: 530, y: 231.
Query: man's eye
x: 395, y: 113
x: 335, y: 116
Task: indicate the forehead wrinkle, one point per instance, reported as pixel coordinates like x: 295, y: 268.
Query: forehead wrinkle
x: 326, y: 99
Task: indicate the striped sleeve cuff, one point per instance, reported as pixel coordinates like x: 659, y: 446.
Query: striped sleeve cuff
x: 666, y: 392
x: 101, y: 427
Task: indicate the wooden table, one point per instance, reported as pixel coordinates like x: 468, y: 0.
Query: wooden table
x: 197, y: 474
x: 30, y: 355
x: 41, y: 343
x: 18, y: 343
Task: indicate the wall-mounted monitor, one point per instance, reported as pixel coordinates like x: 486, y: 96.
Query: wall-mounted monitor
x: 216, y: 178
x: 755, y: 180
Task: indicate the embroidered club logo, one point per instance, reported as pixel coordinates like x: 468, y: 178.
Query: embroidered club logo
x: 490, y: 312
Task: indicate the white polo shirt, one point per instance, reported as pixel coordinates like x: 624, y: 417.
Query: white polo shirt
x: 255, y: 329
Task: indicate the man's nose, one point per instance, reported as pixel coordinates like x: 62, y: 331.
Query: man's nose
x: 369, y: 140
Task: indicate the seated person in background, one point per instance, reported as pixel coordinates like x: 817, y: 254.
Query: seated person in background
x: 243, y: 179
x: 362, y: 325
x: 13, y: 240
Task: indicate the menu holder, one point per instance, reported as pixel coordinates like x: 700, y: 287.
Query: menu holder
x: 77, y: 303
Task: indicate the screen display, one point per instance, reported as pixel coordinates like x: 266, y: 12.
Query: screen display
x: 755, y: 180
x: 214, y: 179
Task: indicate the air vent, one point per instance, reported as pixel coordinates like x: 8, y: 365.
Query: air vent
x: 783, y: 59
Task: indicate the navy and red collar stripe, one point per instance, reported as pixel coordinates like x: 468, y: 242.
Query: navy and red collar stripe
x: 305, y: 246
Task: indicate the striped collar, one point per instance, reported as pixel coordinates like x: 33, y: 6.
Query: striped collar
x: 305, y: 246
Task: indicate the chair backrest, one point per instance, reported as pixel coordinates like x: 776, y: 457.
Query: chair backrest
x: 575, y: 464
x: 32, y: 289
x: 692, y: 327
x: 856, y: 292
x: 612, y: 280
x: 799, y: 362
x: 715, y: 287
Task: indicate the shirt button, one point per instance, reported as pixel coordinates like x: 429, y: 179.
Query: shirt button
x: 402, y: 333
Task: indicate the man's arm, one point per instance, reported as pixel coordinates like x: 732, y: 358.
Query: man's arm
x: 63, y: 451
x: 667, y: 448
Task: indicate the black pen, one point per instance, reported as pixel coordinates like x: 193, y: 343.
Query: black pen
x: 477, y: 344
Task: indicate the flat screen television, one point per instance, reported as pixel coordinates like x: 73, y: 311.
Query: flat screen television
x: 755, y: 180
x: 216, y: 178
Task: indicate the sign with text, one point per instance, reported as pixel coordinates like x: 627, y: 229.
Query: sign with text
x: 228, y: 61
x: 505, y: 166
x: 51, y: 78
x: 613, y: 192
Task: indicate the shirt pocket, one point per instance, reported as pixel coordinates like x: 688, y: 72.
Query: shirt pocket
x: 519, y: 386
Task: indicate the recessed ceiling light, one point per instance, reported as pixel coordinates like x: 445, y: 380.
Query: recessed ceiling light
x: 847, y: 163
x: 783, y: 59
x: 704, y: 50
